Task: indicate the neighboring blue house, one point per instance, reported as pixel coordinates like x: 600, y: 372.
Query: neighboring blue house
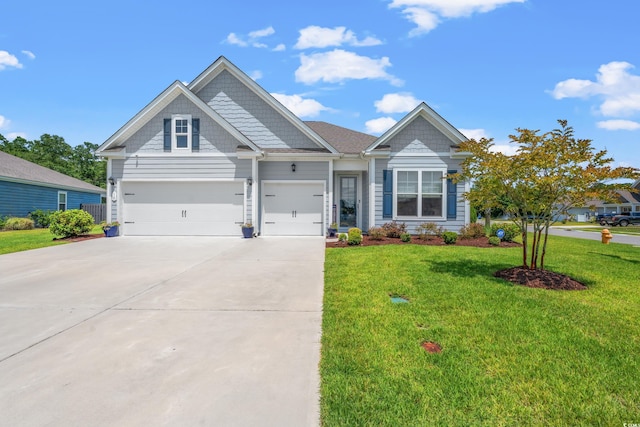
x: 25, y: 187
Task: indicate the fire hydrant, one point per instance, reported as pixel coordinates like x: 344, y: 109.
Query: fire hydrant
x: 606, y: 236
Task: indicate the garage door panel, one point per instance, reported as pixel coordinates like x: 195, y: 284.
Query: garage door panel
x: 293, y: 209
x: 183, y: 208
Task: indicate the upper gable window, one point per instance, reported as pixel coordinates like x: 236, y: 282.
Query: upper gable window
x: 181, y: 135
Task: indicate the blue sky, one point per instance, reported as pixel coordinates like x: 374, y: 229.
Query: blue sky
x: 81, y: 70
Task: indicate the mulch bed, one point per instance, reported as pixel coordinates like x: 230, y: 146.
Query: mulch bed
x: 543, y: 279
x: 482, y: 242
x: 80, y: 238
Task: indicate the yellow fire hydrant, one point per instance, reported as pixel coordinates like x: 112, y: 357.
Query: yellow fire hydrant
x: 606, y: 236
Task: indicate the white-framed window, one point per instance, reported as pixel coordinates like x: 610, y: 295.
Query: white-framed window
x: 181, y: 131
x: 62, y: 200
x: 419, y: 193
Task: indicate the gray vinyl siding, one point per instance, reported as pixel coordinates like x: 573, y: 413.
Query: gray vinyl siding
x: 213, y: 138
x: 167, y: 168
x: 420, y: 136
x: 251, y: 115
x: 420, y: 162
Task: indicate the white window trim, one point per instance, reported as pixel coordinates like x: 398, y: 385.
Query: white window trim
x: 66, y: 200
x: 174, y: 138
x: 442, y: 217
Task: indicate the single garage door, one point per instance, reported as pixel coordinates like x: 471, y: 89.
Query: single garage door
x: 183, y: 208
x: 292, y: 209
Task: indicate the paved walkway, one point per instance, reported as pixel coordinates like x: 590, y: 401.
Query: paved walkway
x: 162, y: 331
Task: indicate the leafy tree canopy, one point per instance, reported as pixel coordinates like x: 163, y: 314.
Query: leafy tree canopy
x: 51, y: 151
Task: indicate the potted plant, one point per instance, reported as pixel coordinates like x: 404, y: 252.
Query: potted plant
x: 333, y: 229
x: 110, y: 228
x: 247, y: 230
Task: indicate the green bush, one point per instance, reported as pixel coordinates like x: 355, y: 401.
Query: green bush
x: 427, y: 230
x: 472, y: 231
x: 18, y: 224
x: 355, y: 236
x: 511, y: 231
x: 494, y: 240
x: 41, y: 217
x: 450, y: 237
x: 473, y: 215
x: 376, y: 233
x: 73, y: 222
x: 342, y: 237
x: 405, y: 237
x: 3, y: 221
x: 393, y: 229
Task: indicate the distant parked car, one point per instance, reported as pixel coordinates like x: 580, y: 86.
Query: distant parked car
x: 605, y: 218
x: 625, y: 219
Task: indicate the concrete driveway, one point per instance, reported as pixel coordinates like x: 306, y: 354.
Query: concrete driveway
x: 162, y: 331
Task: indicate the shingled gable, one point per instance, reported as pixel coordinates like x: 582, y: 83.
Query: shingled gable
x: 15, y: 169
x: 223, y: 64
x: 154, y: 107
x: 426, y: 112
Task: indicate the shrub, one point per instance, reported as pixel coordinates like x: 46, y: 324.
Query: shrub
x: 70, y: 223
x: 393, y: 229
x: 18, y: 224
x: 427, y: 230
x: 472, y: 231
x: 405, y: 237
x: 473, y: 215
x: 376, y: 233
x: 41, y: 217
x: 342, y: 237
x: 511, y: 231
x: 494, y: 240
x: 450, y: 237
x: 3, y: 221
x: 355, y: 236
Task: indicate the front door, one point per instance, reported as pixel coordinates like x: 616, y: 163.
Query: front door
x: 348, y: 214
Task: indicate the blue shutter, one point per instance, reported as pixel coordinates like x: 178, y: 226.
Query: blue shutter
x: 387, y: 193
x: 195, y: 134
x: 452, y: 198
x: 167, y: 134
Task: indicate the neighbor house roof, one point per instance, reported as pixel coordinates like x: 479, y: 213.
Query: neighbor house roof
x: 15, y: 169
x: 344, y: 140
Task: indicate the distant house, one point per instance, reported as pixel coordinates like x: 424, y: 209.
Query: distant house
x: 627, y: 201
x: 26, y: 186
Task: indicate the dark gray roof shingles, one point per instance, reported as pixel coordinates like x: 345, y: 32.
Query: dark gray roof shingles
x: 17, y: 168
x: 342, y: 139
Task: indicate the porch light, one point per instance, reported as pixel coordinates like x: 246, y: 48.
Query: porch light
x: 293, y: 167
x: 249, y: 181
x: 112, y: 181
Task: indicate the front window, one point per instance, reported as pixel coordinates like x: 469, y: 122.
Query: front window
x: 62, y: 200
x: 181, y: 135
x: 419, y: 193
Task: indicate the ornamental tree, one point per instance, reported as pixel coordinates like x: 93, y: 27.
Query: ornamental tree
x: 549, y: 174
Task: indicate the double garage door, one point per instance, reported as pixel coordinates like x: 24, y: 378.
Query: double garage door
x: 183, y: 208
x: 292, y: 209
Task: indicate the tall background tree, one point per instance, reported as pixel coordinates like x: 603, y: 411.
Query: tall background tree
x: 549, y: 174
x: 51, y: 151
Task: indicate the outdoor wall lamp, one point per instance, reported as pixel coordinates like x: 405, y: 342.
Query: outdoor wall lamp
x: 112, y: 181
x: 249, y: 181
x: 293, y: 167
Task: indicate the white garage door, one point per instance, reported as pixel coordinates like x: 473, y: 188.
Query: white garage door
x: 183, y: 208
x: 292, y: 209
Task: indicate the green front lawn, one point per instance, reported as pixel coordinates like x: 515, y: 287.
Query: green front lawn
x: 511, y: 355
x: 24, y: 240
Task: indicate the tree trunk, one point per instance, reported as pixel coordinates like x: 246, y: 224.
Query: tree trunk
x: 523, y: 227
x: 487, y: 218
x: 544, y: 246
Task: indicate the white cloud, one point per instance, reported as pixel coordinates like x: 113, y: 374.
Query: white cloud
x: 427, y: 14
x: 509, y: 149
x: 339, y: 65
x: 618, y: 125
x: 300, y: 106
x: 13, y: 135
x: 320, y: 37
x: 8, y: 60
x: 396, y: 103
x: 619, y: 89
x: 281, y: 47
x: 251, y: 39
x: 256, y: 75
x: 476, y: 134
x: 4, y: 122
x: 380, y: 125
x: 29, y: 54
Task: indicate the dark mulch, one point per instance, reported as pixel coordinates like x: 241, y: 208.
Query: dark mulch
x: 543, y: 279
x: 80, y: 238
x: 482, y: 242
